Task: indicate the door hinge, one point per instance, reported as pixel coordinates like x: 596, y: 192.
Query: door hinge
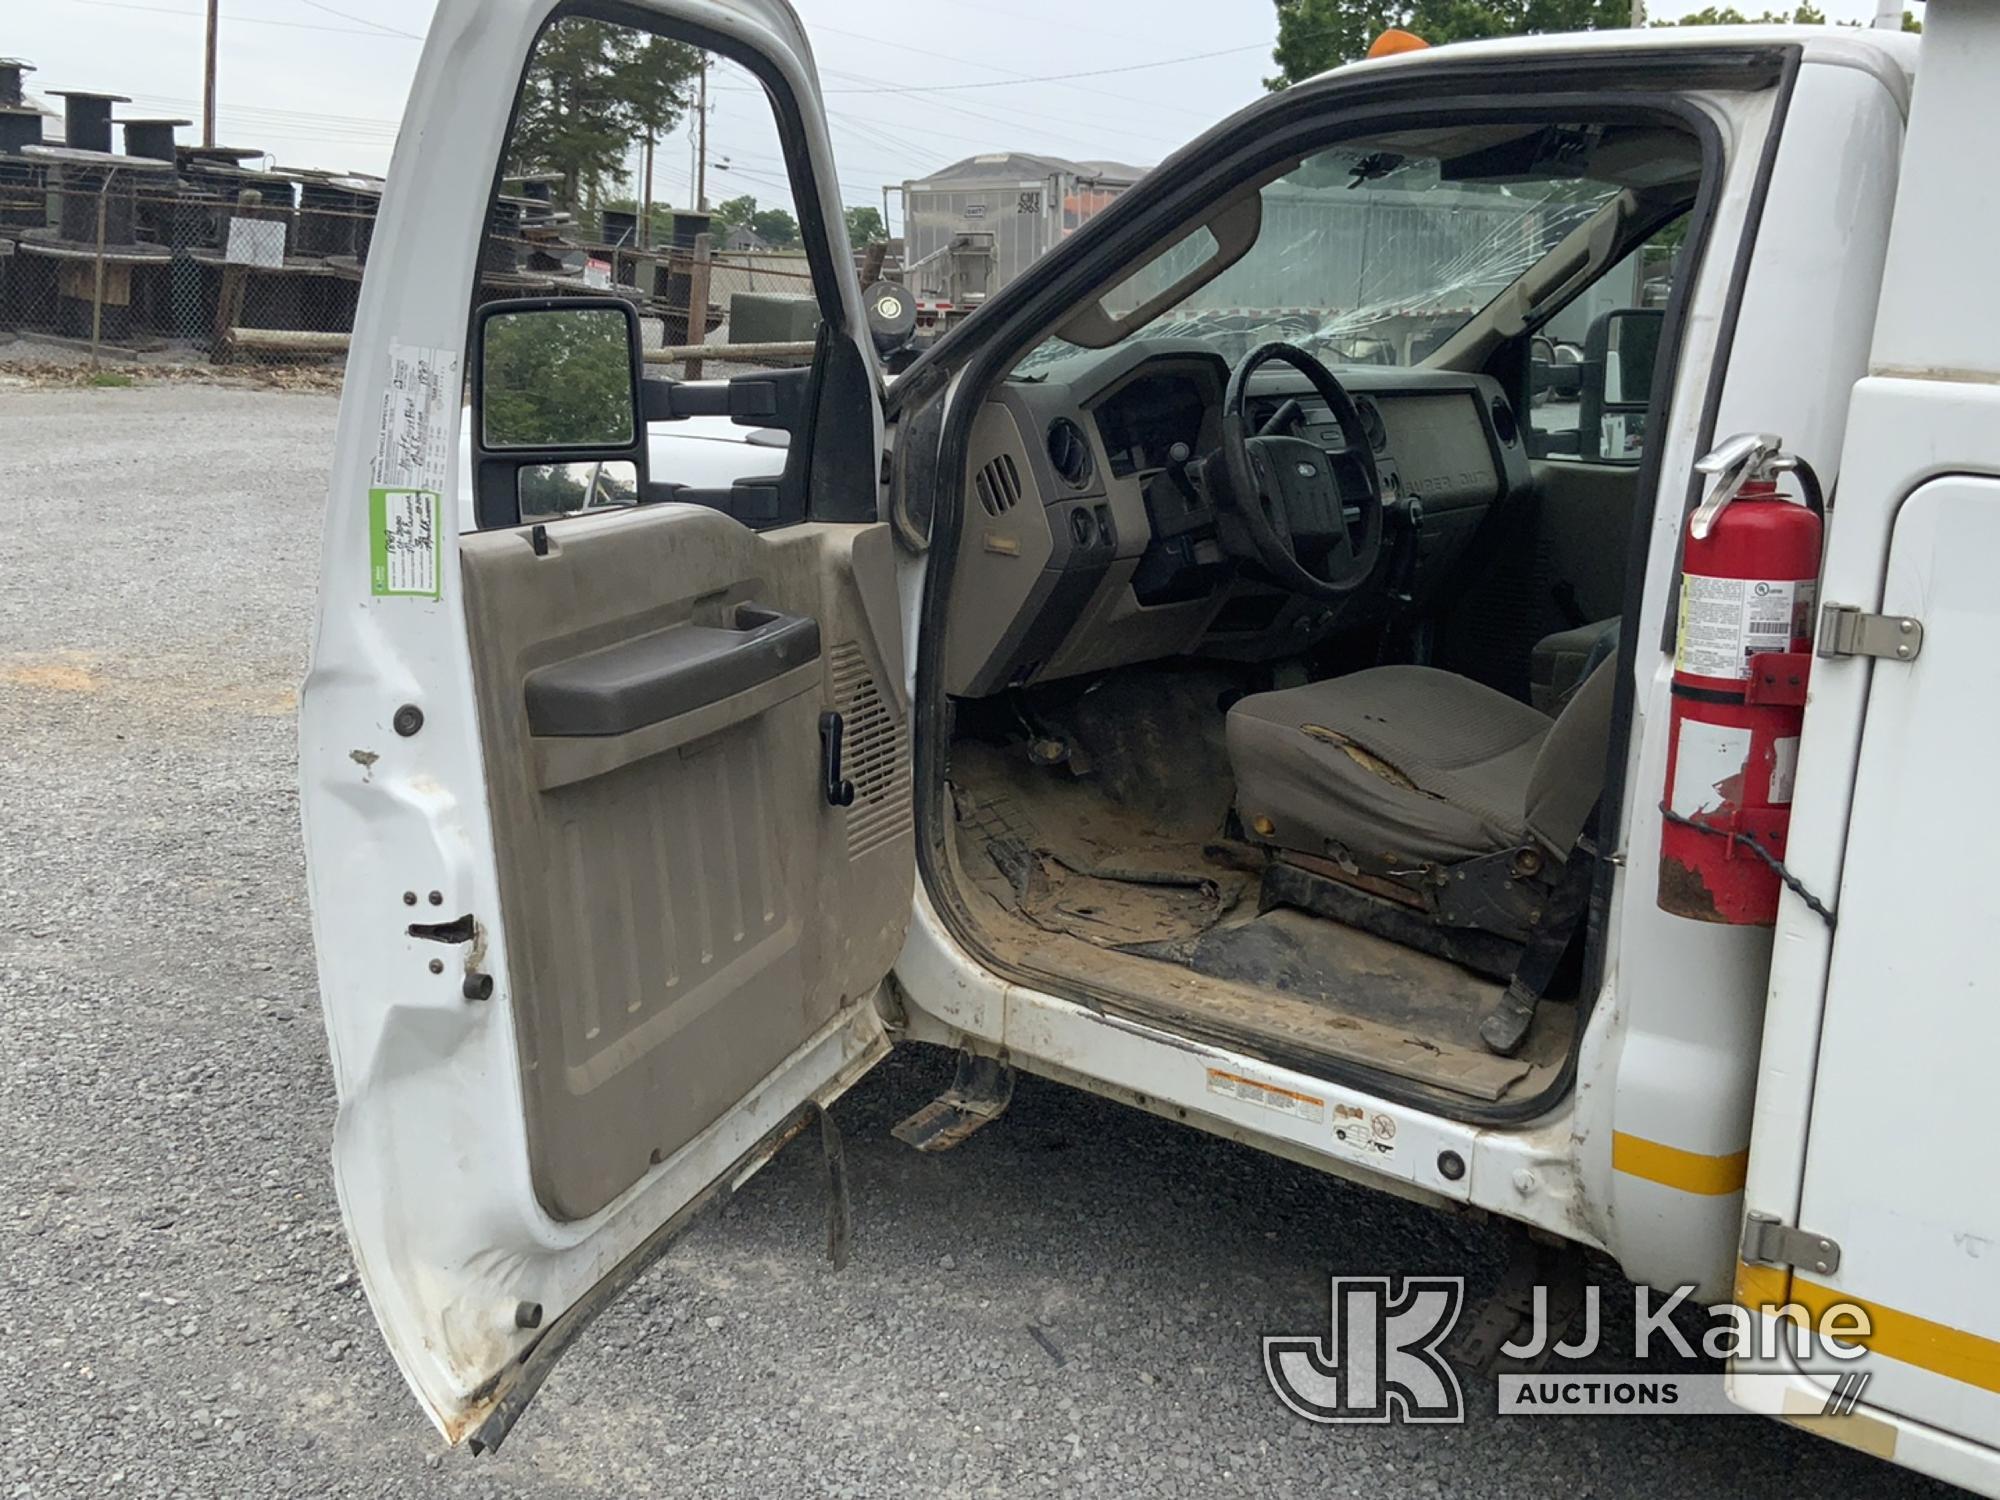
x: 1768, y: 1242
x: 1844, y: 630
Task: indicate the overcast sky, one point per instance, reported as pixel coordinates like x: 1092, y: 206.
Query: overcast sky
x: 322, y: 82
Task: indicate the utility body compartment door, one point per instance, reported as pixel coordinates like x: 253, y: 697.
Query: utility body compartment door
x: 1898, y: 1141
x: 599, y: 927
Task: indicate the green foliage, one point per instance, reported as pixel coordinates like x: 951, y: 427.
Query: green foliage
x: 778, y: 228
x: 865, y: 226
x: 731, y: 212
x: 593, y: 90
x: 560, y: 379
x: 1729, y: 15
x: 1314, y: 35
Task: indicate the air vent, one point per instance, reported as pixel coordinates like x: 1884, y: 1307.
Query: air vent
x: 998, y: 486
x: 1069, y: 451
x: 877, y: 755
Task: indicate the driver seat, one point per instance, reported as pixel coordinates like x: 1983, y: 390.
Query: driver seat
x: 1394, y: 769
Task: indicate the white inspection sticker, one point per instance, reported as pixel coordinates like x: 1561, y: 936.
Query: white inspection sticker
x: 407, y: 475
x: 1726, y: 621
x: 1269, y: 1095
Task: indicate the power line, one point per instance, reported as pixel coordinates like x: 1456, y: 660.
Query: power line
x: 195, y: 15
x: 1003, y: 83
x: 362, y: 21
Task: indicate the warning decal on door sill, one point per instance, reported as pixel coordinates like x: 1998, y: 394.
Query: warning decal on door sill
x: 403, y: 543
x: 1364, y: 1132
x: 1269, y: 1095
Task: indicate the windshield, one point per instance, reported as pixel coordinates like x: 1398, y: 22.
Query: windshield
x: 1373, y: 255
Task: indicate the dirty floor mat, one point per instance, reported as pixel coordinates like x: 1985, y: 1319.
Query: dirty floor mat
x: 1296, y: 953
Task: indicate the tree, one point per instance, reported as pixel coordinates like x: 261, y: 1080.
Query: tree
x: 557, y: 379
x: 1729, y: 15
x: 777, y: 228
x: 773, y: 225
x: 1314, y: 35
x: 732, y: 212
x: 594, y: 89
x: 865, y: 226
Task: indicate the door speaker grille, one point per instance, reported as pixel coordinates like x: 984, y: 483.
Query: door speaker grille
x: 876, y: 754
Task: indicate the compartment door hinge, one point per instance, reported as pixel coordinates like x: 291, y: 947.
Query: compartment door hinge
x: 1768, y: 1242
x: 1844, y: 630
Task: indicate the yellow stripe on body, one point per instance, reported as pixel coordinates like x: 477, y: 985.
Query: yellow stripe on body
x: 1685, y: 1171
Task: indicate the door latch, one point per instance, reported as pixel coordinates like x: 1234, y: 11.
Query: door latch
x: 1769, y: 1242
x: 1844, y: 630
x: 839, y: 790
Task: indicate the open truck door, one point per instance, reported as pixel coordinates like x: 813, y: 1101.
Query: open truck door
x: 607, y: 803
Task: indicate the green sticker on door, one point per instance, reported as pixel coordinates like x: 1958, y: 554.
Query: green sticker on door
x: 403, y: 543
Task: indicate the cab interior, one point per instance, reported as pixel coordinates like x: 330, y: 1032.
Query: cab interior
x: 1280, y: 683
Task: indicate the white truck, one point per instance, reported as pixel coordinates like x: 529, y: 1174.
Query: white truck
x: 1258, y: 715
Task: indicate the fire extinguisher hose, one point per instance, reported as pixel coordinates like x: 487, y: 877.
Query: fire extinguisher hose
x: 1792, y: 883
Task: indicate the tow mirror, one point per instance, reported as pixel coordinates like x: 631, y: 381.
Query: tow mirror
x: 1619, y: 355
x: 556, y: 408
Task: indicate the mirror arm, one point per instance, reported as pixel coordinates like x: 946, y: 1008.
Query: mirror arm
x: 761, y: 399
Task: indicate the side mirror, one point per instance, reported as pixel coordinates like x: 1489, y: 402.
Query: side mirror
x: 1619, y: 355
x: 556, y: 408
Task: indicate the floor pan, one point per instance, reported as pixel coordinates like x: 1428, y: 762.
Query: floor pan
x: 1162, y: 911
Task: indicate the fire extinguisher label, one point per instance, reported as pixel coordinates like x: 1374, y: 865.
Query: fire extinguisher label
x: 1708, y: 768
x: 1726, y: 621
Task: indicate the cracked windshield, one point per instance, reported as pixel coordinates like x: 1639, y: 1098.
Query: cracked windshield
x: 1366, y: 254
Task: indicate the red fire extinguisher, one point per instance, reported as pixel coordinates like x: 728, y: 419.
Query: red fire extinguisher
x: 1749, y: 574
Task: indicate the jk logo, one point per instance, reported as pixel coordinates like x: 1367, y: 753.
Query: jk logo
x: 1380, y: 1362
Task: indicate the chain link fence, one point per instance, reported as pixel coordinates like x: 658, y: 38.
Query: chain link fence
x: 202, y: 265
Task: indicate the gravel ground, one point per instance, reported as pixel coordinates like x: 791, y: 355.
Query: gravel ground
x: 177, y: 1314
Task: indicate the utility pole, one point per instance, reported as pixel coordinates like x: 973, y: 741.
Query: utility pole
x: 646, y: 199
x: 701, y: 164
x: 1889, y: 15
x: 208, y: 79
x: 1638, y: 12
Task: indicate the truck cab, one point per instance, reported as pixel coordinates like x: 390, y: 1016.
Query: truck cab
x: 1236, y: 672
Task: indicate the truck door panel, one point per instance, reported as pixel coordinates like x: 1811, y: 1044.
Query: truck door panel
x: 683, y: 905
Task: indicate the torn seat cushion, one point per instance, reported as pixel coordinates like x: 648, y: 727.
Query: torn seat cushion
x: 1400, y: 766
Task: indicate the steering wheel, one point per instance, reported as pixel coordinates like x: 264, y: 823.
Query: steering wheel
x: 1284, y: 490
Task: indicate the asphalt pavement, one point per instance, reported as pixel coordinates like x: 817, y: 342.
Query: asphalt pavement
x: 1070, y: 1304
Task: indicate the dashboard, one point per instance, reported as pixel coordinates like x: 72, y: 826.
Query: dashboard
x: 1085, y: 548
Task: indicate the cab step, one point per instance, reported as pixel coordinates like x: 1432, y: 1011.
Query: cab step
x: 979, y: 1094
